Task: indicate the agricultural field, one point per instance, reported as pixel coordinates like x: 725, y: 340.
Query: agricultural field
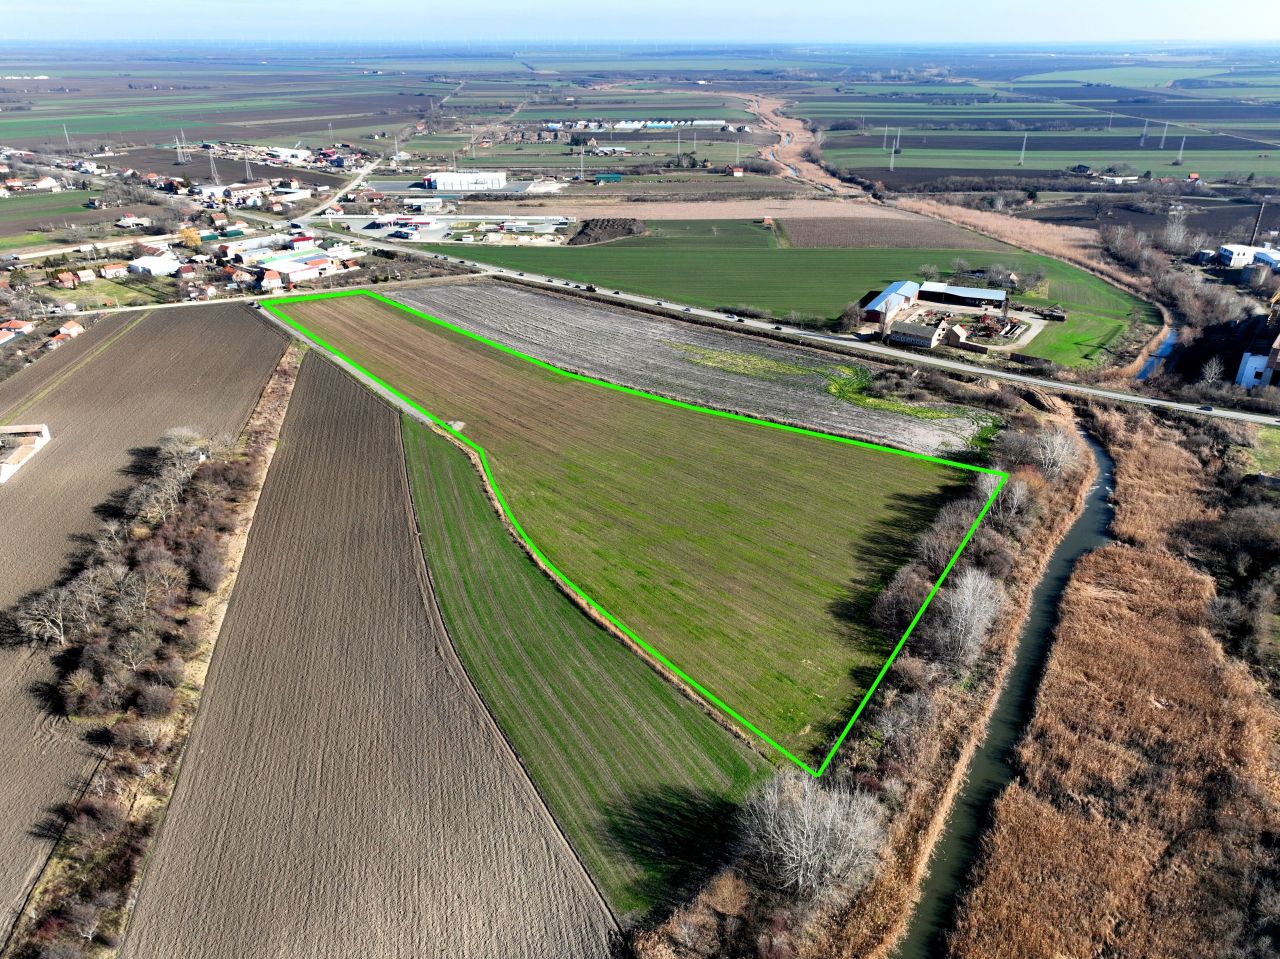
x: 30, y: 219
x: 728, y: 546
x: 720, y: 265
x: 660, y: 777
x: 694, y: 363
x: 106, y: 395
x: 345, y: 792
x: 902, y: 233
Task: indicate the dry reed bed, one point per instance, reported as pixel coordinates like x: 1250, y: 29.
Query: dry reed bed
x: 1149, y: 785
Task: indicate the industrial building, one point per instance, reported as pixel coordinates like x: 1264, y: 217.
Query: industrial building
x: 918, y: 334
x: 468, y: 181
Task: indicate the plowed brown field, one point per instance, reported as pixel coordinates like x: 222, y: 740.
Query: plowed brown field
x: 344, y: 792
x: 120, y: 389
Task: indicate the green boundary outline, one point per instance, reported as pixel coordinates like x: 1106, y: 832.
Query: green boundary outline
x: 274, y: 307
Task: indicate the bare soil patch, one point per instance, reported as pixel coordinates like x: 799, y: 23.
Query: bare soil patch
x: 606, y: 228
x: 201, y: 367
x: 344, y: 791
x: 877, y: 231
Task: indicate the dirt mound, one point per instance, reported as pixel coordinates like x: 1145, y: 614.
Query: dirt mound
x: 606, y: 228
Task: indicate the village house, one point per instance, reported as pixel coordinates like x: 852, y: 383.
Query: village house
x: 85, y: 276
x: 17, y: 327
x: 113, y: 271
x: 66, y: 280
x: 70, y: 328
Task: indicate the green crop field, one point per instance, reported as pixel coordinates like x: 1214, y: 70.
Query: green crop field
x: 1266, y: 455
x: 607, y: 741
x: 743, y: 554
x: 716, y: 263
x: 26, y: 205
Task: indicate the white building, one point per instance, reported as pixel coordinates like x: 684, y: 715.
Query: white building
x: 155, y: 265
x: 470, y: 180
x: 1237, y: 255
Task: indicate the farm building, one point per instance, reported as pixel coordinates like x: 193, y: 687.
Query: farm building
x: 85, y: 276
x: 892, y: 300
x: 918, y: 334
x: 608, y: 178
x: 17, y: 445
x: 113, y: 271
x: 65, y: 280
x: 477, y: 180
x: 961, y: 295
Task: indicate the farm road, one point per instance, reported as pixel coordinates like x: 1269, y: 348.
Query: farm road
x: 344, y: 792
x: 114, y: 390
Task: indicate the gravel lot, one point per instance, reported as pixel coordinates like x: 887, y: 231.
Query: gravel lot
x: 643, y: 351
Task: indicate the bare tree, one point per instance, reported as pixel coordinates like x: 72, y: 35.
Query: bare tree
x: 970, y: 604
x: 1056, y: 451
x: 47, y: 619
x: 811, y: 840
x: 1211, y: 372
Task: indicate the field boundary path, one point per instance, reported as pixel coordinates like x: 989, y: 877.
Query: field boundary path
x: 276, y: 308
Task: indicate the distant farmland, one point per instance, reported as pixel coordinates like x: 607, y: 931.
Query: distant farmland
x: 743, y: 554
x: 613, y: 749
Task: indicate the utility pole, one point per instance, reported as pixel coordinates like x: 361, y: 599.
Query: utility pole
x: 884, y: 141
x: 737, y: 152
x: 248, y: 170
x: 66, y: 136
x: 1110, y: 117
x: 1022, y: 157
x: 213, y: 171
x: 1257, y: 224
x: 1164, y: 134
x: 331, y: 139
x: 1180, y: 149
x: 1142, y: 140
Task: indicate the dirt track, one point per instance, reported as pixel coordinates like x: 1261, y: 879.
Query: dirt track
x: 645, y: 352
x: 202, y: 368
x: 344, y: 792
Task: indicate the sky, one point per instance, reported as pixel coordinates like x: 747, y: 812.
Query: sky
x: 540, y: 22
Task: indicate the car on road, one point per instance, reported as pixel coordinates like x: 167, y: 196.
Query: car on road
x: 1207, y: 408
x: 617, y: 292
x: 688, y: 310
x: 777, y: 327
x: 733, y: 316
x: 737, y: 319
x: 519, y: 274
x: 404, y: 235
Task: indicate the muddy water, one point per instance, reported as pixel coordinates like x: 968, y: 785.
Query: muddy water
x: 991, y: 770
x: 1156, y: 359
